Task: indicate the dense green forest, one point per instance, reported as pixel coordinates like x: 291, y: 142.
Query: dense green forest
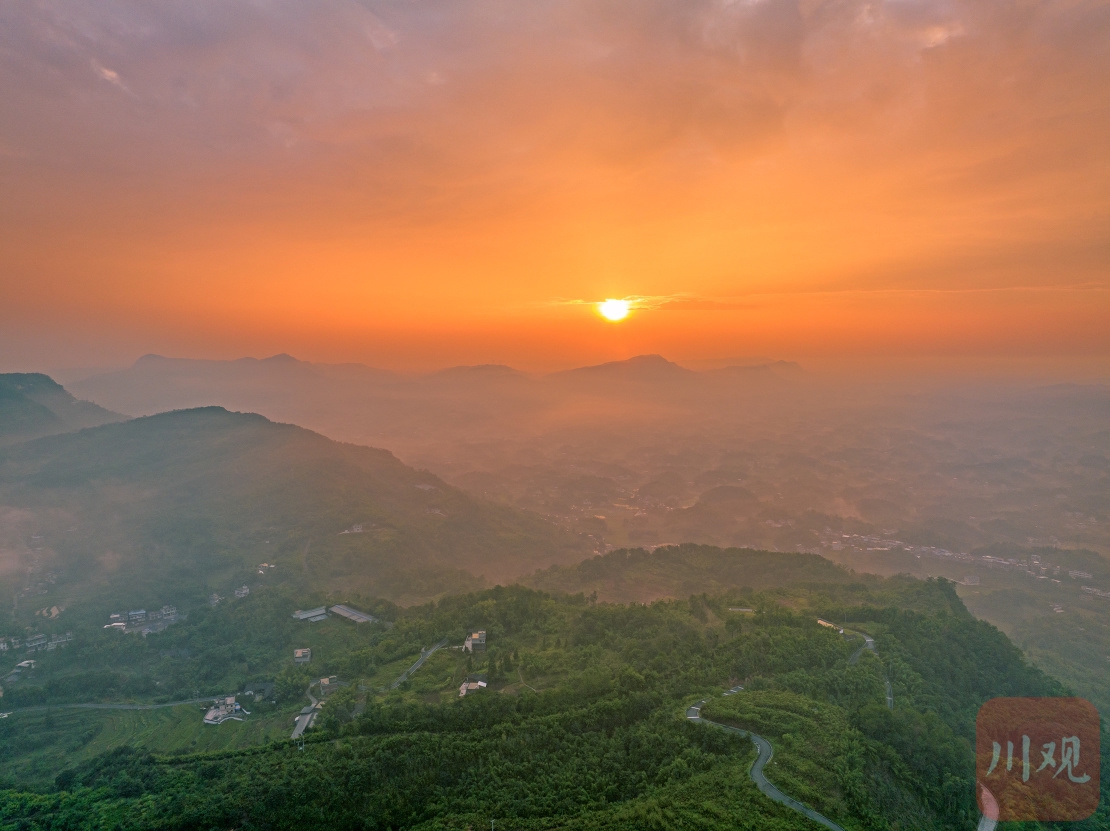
x: 582, y: 724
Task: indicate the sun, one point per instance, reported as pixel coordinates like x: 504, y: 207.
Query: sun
x: 614, y: 309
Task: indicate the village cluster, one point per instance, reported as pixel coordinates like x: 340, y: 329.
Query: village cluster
x: 35, y: 643
x: 142, y: 621
x: 1033, y: 566
x: 228, y: 708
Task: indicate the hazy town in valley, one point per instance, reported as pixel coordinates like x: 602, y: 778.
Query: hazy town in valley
x: 453, y: 414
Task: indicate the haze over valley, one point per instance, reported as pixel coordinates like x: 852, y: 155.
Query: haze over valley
x: 766, y: 454
x: 529, y: 472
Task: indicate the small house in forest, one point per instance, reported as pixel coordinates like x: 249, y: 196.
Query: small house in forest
x: 475, y: 641
x: 472, y: 684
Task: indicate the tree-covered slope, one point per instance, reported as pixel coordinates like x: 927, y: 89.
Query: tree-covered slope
x: 681, y: 570
x: 169, y: 508
x: 32, y: 404
x: 583, y: 723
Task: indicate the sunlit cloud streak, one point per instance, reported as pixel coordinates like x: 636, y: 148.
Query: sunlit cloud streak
x: 689, y: 302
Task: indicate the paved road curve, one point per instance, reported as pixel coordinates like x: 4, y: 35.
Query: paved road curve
x: 305, y: 719
x: 765, y: 752
x: 419, y: 663
x: 985, y: 823
x: 869, y: 643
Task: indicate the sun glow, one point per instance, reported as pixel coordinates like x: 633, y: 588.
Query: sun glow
x: 614, y: 309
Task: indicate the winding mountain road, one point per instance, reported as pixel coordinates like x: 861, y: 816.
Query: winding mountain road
x: 869, y: 643
x: 765, y: 752
x: 424, y: 655
x: 307, y: 715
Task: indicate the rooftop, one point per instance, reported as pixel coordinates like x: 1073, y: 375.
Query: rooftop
x: 353, y: 614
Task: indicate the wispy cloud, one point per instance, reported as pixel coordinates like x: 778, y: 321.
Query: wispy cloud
x: 109, y: 75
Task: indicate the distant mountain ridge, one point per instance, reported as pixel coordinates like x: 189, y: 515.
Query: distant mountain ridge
x: 359, y: 403
x: 786, y: 369
x: 641, y: 368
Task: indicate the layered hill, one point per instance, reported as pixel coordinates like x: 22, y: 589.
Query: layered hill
x: 183, y: 504
x: 32, y: 405
x: 678, y: 571
x: 466, y: 404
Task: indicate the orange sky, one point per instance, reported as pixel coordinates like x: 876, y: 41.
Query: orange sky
x: 419, y: 183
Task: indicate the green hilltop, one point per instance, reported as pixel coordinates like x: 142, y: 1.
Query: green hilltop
x: 639, y: 575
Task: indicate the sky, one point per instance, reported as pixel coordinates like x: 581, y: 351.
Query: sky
x: 419, y: 183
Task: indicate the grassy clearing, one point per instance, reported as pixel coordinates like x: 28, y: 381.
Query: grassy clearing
x: 40, y: 744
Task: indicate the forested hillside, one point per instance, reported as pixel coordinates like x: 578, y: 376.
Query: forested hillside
x: 583, y: 724
x: 32, y: 404
x: 173, y: 507
x: 639, y: 574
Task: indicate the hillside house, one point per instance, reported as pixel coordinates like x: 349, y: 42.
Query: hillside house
x: 224, y: 709
x: 311, y: 615
x: 140, y: 620
x: 302, y: 656
x: 475, y: 641
x: 242, y: 592
x: 55, y: 642
x: 472, y: 684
